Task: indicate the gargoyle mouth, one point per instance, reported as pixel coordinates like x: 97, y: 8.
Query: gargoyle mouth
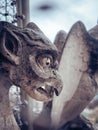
x: 43, y: 93
x: 50, y: 92
x: 45, y: 90
x: 46, y: 94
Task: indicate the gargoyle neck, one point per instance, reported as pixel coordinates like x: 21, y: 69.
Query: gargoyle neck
x: 4, y: 79
x: 5, y: 84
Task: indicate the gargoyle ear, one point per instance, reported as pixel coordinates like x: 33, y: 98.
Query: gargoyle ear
x: 9, y: 46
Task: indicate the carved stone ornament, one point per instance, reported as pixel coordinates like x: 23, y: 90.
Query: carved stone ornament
x: 29, y: 60
x: 79, y: 71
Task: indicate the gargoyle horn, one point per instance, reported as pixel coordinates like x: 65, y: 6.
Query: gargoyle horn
x: 33, y: 26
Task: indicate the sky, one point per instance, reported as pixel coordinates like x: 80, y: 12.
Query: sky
x: 54, y: 15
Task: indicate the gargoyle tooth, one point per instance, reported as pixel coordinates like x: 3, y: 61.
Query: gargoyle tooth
x: 42, y: 89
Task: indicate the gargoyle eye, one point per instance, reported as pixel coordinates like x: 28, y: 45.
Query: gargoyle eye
x: 45, y: 61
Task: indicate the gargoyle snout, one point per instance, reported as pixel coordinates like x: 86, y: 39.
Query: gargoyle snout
x: 54, y: 90
x: 55, y: 86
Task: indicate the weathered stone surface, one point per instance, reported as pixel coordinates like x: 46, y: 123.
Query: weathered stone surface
x: 28, y: 60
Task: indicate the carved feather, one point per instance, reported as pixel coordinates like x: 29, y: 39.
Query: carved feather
x: 79, y: 84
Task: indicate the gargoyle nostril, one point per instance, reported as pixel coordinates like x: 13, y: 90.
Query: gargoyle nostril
x: 51, y: 90
x: 56, y: 92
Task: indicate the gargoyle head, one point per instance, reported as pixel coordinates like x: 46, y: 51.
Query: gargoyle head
x: 30, y: 59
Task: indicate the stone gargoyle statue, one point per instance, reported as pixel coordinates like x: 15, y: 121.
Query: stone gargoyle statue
x: 29, y: 60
